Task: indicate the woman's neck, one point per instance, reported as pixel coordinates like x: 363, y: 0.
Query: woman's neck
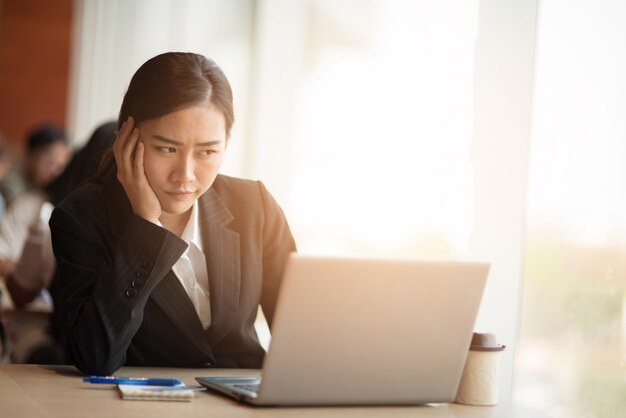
x: 175, y: 223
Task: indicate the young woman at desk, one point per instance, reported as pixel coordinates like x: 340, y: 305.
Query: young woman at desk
x: 161, y: 261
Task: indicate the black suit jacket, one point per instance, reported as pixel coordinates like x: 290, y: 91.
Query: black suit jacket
x: 117, y: 301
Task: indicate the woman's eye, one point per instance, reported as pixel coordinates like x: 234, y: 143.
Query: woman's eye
x: 207, y: 152
x: 167, y: 150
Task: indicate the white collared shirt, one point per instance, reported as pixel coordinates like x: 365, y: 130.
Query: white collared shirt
x: 190, y: 269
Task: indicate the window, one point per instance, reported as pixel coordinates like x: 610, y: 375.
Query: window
x: 572, y: 352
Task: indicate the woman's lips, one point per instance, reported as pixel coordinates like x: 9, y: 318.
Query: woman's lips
x: 181, y: 195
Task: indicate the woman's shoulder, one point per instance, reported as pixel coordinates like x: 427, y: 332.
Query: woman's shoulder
x: 225, y: 180
x: 243, y: 195
x: 236, y: 187
x: 87, y: 198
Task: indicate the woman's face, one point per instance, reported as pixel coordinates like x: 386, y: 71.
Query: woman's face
x: 47, y: 163
x: 183, y: 154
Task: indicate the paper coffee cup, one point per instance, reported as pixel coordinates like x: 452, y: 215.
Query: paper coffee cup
x: 479, y: 381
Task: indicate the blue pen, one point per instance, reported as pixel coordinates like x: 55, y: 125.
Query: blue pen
x: 112, y: 380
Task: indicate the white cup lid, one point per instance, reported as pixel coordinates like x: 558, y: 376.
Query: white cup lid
x: 485, y: 342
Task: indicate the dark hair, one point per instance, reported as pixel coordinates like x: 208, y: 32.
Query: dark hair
x: 44, y: 136
x: 173, y: 81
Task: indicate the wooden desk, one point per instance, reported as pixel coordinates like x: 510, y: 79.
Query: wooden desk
x: 58, y: 391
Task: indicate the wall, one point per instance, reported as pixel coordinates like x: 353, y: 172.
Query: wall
x: 34, y: 64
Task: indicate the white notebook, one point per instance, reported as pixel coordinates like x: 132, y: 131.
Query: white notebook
x: 156, y: 393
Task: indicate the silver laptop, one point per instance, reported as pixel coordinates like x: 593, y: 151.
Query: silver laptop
x: 365, y: 332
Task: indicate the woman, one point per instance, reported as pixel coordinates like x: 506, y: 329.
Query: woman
x: 160, y: 260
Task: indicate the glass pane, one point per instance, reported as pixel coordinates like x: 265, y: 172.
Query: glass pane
x: 572, y: 352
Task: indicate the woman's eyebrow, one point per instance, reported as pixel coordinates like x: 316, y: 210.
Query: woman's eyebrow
x: 171, y: 141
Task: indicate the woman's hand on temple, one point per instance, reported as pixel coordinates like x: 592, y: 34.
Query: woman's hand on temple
x: 129, y: 152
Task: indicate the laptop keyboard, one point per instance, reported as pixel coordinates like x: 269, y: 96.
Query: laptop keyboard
x: 250, y: 387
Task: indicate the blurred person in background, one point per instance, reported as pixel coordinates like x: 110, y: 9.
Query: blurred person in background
x: 30, y: 338
x: 46, y: 155
x: 5, y: 165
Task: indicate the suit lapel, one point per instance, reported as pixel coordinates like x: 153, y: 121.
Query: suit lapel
x: 171, y: 297
x: 221, y: 249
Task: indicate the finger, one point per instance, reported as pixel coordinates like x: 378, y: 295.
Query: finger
x: 138, y: 163
x: 130, y: 129
x: 129, y: 149
x: 124, y: 131
x: 121, y: 140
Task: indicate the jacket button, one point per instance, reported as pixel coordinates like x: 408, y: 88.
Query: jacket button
x: 136, y: 283
x: 142, y: 274
x: 131, y: 293
x: 146, y: 264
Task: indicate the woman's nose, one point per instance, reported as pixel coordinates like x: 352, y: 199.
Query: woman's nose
x: 184, y: 170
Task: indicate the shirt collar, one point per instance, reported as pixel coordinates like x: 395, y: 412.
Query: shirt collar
x: 191, y: 233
